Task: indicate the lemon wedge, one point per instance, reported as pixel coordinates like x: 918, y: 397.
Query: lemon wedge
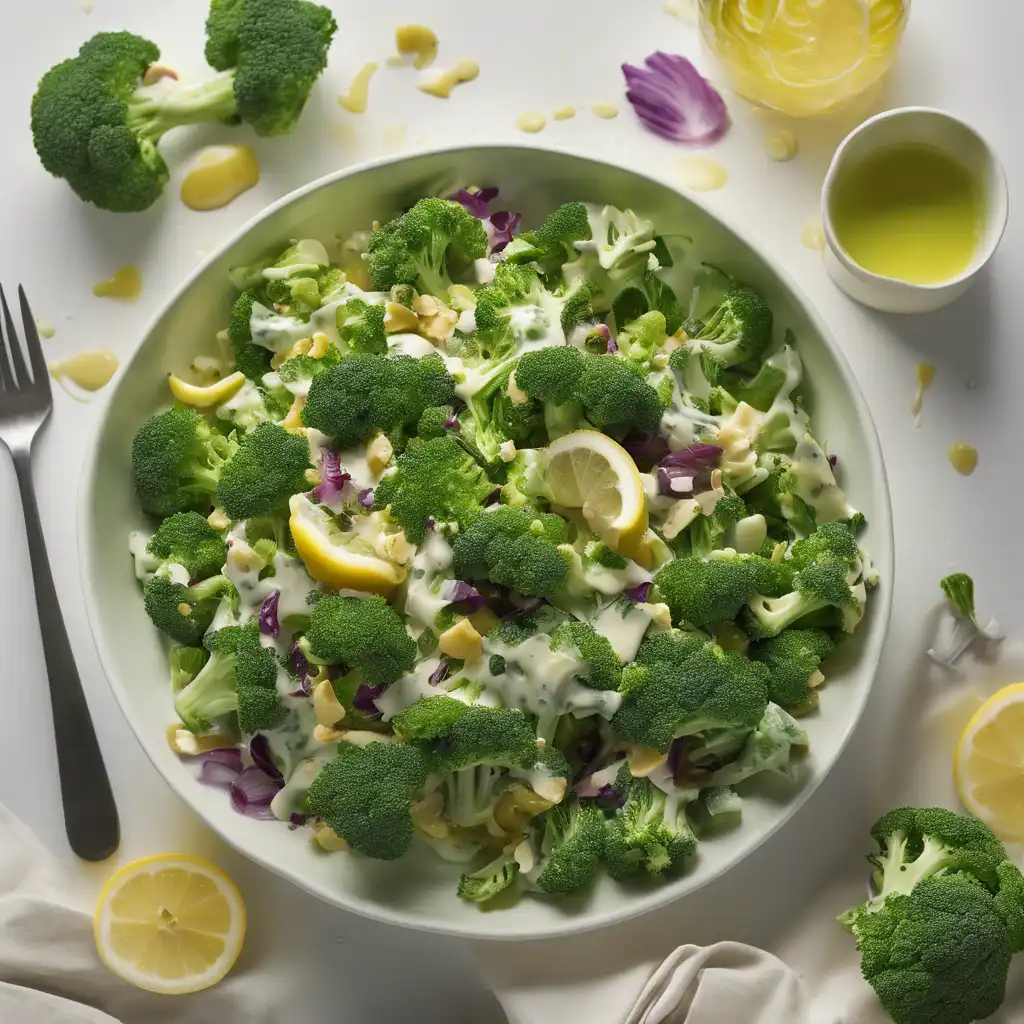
x: 340, y: 559
x: 989, y: 763
x: 204, y: 398
x: 589, y: 471
x: 170, y: 923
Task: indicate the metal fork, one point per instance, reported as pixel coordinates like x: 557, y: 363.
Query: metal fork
x: 90, y: 815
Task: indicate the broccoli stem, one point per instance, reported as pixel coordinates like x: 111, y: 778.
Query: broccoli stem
x: 470, y: 792
x: 155, y: 110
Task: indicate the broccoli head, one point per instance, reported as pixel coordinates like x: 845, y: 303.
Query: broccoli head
x: 568, y: 843
x: 708, y: 533
x: 361, y: 326
x: 617, y: 398
x: 604, y: 669
x: 551, y: 374
x: 793, y: 658
x: 514, y: 547
x: 434, y: 478
x: 365, y: 394
x: 189, y: 540
x: 268, y: 468
x: 510, y: 310
x: 365, y: 634
x: 183, y: 611
x: 366, y: 793
x: 251, y: 359
x: 738, y: 331
x: 683, y: 683
x: 429, y: 718
x: 640, y: 339
x: 554, y: 242
x: 425, y: 246
x: 177, y: 459
x: 649, y: 832
x: 489, y: 881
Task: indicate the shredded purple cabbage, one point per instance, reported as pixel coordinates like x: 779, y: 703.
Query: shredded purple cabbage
x: 833, y: 460
x: 259, y: 751
x: 464, y: 594
x: 270, y: 625
x: 365, y: 698
x: 332, y: 477
x: 476, y: 202
x: 503, y: 227
x: 641, y: 593
x: 297, y: 820
x: 252, y: 792
x: 673, y: 100
x: 366, y: 497
x: 220, y: 767
x: 687, y: 470
x: 674, y: 481
x: 440, y: 674
x: 452, y: 423
x: 493, y: 497
x: 609, y: 798
x: 646, y: 450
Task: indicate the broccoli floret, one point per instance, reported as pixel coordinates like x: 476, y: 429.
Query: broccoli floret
x: 364, y: 394
x: 827, y: 568
x: 604, y: 669
x: 490, y: 880
x: 434, y: 421
x: 361, y: 326
x: 429, y: 718
x: 514, y: 547
x: 510, y: 310
x: 737, y: 331
x: 182, y: 611
x: 707, y: 533
x: 366, y: 634
x: 617, y: 398
x: 568, y: 845
x: 705, y: 591
x: 185, y: 665
x: 519, y: 422
x: 240, y: 676
x: 577, y: 304
x: 785, y: 512
x: 683, y: 683
x: 365, y: 794
x: 937, y: 937
x: 268, y: 468
x: 251, y: 359
x: 554, y: 242
x: 434, y: 478
x: 793, y: 659
x: 177, y: 459
x: 425, y: 247
x: 648, y: 832
x: 769, y: 748
x: 551, y: 374
x: 189, y: 540
x: 96, y: 126
x: 758, y: 391
x: 301, y: 368
x: 640, y: 339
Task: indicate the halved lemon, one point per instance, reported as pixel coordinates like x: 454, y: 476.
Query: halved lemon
x: 204, y: 398
x: 989, y: 763
x: 340, y: 559
x: 171, y: 923
x: 589, y: 471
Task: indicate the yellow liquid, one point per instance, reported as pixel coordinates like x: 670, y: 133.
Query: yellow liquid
x: 803, y: 57
x: 125, y: 284
x: 910, y: 212
x: 219, y: 175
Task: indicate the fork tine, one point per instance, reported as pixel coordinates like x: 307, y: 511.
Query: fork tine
x: 6, y: 378
x: 40, y: 374
x: 20, y: 369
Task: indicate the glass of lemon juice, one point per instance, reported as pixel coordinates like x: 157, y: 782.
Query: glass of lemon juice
x: 803, y: 57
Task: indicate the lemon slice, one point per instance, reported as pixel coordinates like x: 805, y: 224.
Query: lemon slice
x: 589, y: 471
x: 989, y: 763
x: 340, y: 559
x: 171, y: 924
x: 204, y: 398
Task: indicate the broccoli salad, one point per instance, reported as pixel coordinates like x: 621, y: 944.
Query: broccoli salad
x: 514, y: 543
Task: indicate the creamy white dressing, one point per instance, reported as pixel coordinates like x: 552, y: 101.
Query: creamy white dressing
x: 298, y: 388
x: 416, y: 684
x: 410, y: 345
x: 430, y: 565
x: 737, y: 438
x: 661, y: 778
x: 145, y: 563
x: 273, y: 331
x: 175, y: 573
x: 816, y: 484
x: 483, y: 271
x: 623, y: 626
x: 245, y: 408
x: 466, y: 323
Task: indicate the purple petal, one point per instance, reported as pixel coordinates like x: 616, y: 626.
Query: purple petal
x: 503, y: 226
x: 452, y: 423
x: 673, y: 100
x: 269, y: 622
x: 833, y: 460
x: 220, y: 767
x: 460, y: 592
x: 674, y: 481
x: 610, y: 799
x: 332, y: 477
x: 682, y: 471
x: 365, y: 697
x: 641, y: 593
x: 297, y: 820
x: 252, y: 792
x: 366, y: 498
x: 475, y: 202
x: 440, y: 674
x: 259, y: 751
x: 695, y: 457
x: 300, y: 666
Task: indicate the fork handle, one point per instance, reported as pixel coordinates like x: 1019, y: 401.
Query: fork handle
x: 90, y: 815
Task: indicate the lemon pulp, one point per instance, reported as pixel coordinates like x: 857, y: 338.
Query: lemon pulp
x: 803, y: 57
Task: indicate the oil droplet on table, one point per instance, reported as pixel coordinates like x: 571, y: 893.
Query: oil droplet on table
x: 605, y: 110
x: 89, y: 370
x: 781, y: 145
x: 925, y: 376
x: 125, y: 284
x: 702, y: 174
x: 813, y: 235
x: 354, y: 101
x: 564, y: 113
x: 964, y: 457
x: 442, y: 85
x: 416, y: 41
x: 45, y: 330
x: 532, y: 121
x: 218, y: 175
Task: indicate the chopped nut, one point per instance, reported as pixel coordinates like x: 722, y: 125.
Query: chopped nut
x: 378, y: 454
x: 716, y: 479
x: 461, y: 641
x: 294, y: 418
x: 328, y: 709
x: 325, y: 734
x: 817, y: 678
x: 183, y: 741
x: 363, y: 737
x: 395, y: 548
x: 328, y: 839
x: 156, y: 72
x: 523, y: 855
x: 643, y: 760
x: 515, y: 807
x: 661, y: 617
x: 425, y: 305
x: 399, y: 319
x: 507, y: 450
x: 440, y: 326
x: 679, y: 517
x: 243, y: 557
x: 779, y: 552
x: 218, y: 519
x: 320, y: 346
x: 549, y: 787
x: 659, y: 362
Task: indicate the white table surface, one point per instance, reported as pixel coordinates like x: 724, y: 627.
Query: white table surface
x: 964, y: 57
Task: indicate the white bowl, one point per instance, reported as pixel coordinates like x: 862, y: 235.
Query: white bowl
x: 419, y: 891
